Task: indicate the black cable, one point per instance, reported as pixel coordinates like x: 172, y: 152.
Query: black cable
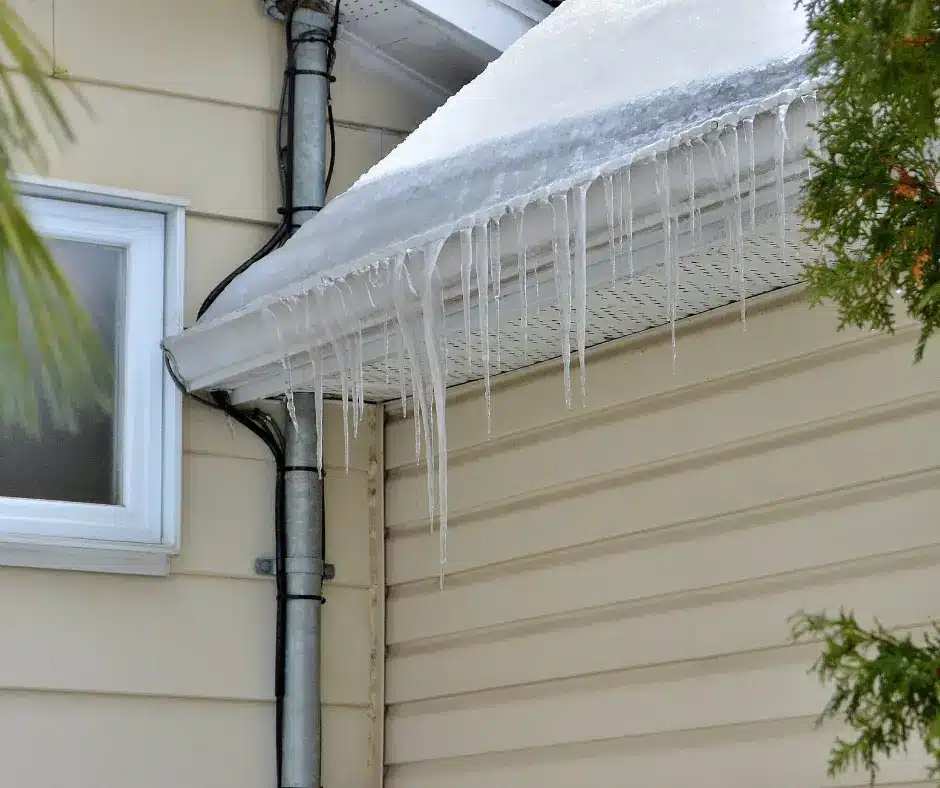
x: 285, y: 148
x: 331, y: 61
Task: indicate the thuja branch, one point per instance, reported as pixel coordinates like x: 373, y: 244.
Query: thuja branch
x: 874, y: 206
x: 886, y: 689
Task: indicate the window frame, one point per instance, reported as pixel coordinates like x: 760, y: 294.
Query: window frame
x: 143, y: 533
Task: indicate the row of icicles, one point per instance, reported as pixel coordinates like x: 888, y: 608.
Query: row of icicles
x: 414, y: 278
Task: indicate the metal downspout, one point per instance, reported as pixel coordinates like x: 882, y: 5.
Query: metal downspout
x: 303, y: 512
x: 303, y: 485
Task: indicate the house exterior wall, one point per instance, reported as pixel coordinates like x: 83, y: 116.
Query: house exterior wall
x: 116, y: 680
x: 620, y: 577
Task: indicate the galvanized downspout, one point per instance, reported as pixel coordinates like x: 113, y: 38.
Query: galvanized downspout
x: 303, y: 513
x: 303, y: 485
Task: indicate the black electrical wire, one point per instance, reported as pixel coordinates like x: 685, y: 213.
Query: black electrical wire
x: 285, y: 146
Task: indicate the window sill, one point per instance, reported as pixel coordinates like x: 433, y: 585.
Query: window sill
x: 85, y: 556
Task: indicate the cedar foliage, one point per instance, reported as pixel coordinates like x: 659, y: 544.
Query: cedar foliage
x: 873, y: 205
x: 874, y: 208
x: 887, y: 689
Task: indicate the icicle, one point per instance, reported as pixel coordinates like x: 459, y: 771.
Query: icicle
x: 483, y: 302
x: 340, y: 350
x: 781, y: 164
x: 751, y: 170
x: 340, y: 355
x: 580, y: 282
x: 291, y: 408
x: 466, y: 264
x: 496, y: 277
x: 519, y: 216
x: 401, y: 375
x: 285, y: 365
x: 609, y: 201
x: 361, y: 376
x: 318, y: 404
x: 422, y: 413
x: 664, y: 190
x: 562, y: 244
x: 432, y: 333
x: 353, y: 355
x: 385, y: 332
x: 728, y: 208
x: 739, y: 222
x: 538, y: 295
x: 719, y: 183
x: 690, y: 187
x: 627, y: 214
x: 445, y: 346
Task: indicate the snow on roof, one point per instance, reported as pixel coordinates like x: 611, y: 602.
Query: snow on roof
x: 593, y: 84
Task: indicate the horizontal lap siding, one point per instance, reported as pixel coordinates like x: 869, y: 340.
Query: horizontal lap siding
x: 620, y: 576
x: 116, y: 681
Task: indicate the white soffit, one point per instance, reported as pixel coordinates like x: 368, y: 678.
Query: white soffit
x: 443, y: 43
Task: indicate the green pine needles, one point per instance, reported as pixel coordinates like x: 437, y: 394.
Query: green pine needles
x: 874, y: 203
x: 887, y: 689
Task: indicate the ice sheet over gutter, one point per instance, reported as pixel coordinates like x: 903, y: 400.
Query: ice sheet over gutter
x: 589, y: 88
x: 639, y: 97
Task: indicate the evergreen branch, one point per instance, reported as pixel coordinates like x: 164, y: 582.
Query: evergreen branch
x: 886, y: 688
x: 874, y: 205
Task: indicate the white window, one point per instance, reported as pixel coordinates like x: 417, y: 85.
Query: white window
x: 106, y: 496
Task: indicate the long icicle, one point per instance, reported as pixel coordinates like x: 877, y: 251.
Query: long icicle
x: 466, y: 264
x: 340, y: 355
x: 781, y: 174
x: 739, y: 221
x: 521, y: 264
x: 480, y: 260
x: 421, y: 410
x: 626, y: 211
x: 439, y: 387
x: 751, y: 170
x: 690, y: 187
x: 728, y: 207
x: 663, y: 188
x: 580, y: 282
x: 387, y: 355
x: 611, y: 234
x: 496, y: 277
x: 401, y: 375
x: 563, y: 283
x: 318, y: 405
x: 718, y: 184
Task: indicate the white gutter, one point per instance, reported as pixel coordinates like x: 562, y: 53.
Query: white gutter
x: 269, y: 345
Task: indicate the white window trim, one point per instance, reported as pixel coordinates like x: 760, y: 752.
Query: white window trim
x: 147, y: 550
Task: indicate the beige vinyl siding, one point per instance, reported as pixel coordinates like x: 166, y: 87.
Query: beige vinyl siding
x: 117, y: 681
x: 620, y: 576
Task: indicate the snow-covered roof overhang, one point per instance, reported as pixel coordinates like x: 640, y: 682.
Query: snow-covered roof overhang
x: 636, y: 140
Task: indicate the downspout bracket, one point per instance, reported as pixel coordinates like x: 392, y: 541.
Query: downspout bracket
x: 264, y: 567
